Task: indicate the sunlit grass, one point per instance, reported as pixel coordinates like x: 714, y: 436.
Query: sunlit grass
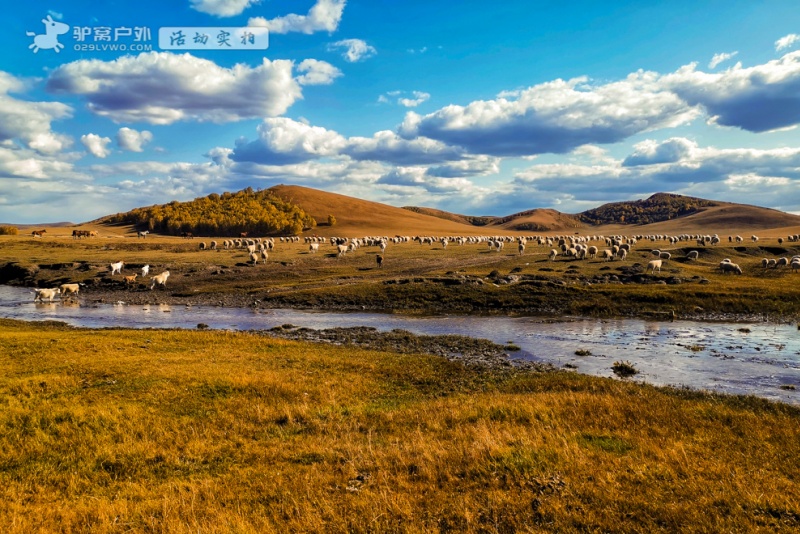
x: 209, y: 431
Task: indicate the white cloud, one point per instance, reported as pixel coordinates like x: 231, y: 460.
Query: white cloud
x: 760, y: 98
x: 283, y: 141
x: 96, y: 145
x: 719, y: 58
x: 133, y: 140
x: 163, y: 88
x: 325, y: 15
x: 556, y: 117
x: 222, y: 8
x: 418, y: 98
x: 30, y: 122
x: 786, y: 41
x: 354, y: 49
x: 412, y: 98
x: 316, y: 72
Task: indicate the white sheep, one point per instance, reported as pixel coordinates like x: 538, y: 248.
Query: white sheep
x: 553, y: 254
x: 69, y: 289
x: 654, y: 265
x: 728, y: 267
x: 49, y: 294
x: 521, y: 248
x: 313, y: 248
x: 145, y: 270
x: 117, y: 267
x: 608, y: 255
x: 592, y: 251
x: 342, y: 249
x: 795, y: 265
x: 692, y: 255
x: 254, y: 258
x: 160, y: 279
x: 665, y: 256
x: 264, y: 256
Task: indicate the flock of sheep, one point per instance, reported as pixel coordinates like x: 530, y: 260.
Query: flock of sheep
x: 573, y: 247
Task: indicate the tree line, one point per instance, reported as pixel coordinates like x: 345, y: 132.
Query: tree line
x: 229, y: 214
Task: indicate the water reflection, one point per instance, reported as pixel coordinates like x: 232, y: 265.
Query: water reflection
x: 760, y: 359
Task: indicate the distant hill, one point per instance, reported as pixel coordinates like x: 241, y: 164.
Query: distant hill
x: 657, y: 208
x: 538, y: 220
x: 474, y: 220
x: 228, y: 214
x: 355, y: 216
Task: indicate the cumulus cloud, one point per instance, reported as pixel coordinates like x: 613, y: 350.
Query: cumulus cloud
x: 222, y: 8
x: 162, y: 88
x: 650, y: 152
x: 556, y: 117
x: 787, y: 41
x: 760, y: 98
x: 719, y: 58
x: 133, y: 140
x: 30, y: 122
x: 417, y: 177
x: 96, y: 145
x: 284, y: 141
x: 316, y: 72
x: 325, y: 15
x: 388, y: 147
x: 354, y: 49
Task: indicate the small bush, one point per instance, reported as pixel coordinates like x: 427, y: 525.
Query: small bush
x: 583, y: 352
x: 624, y: 369
x: 9, y: 230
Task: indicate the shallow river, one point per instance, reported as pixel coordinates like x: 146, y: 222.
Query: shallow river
x: 722, y: 357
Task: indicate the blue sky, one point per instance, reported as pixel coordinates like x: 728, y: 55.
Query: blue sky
x: 473, y: 107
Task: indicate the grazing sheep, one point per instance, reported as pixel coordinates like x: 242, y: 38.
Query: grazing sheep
x: 795, y: 265
x: 592, y: 252
x: 145, y: 270
x: 69, y: 289
x: 521, y: 249
x: 202, y: 245
x: 313, y: 248
x: 728, y: 267
x: 130, y: 280
x: 655, y: 253
x: 764, y: 262
x: 553, y: 254
x: 754, y: 238
x: 772, y: 262
x: 160, y: 279
x: 213, y: 245
x: 379, y: 260
x: 117, y: 267
x: 608, y: 255
x: 254, y: 258
x: 342, y: 249
x: 665, y: 256
x: 623, y: 253
x: 654, y: 265
x: 49, y: 294
x: 692, y: 255
x: 264, y: 256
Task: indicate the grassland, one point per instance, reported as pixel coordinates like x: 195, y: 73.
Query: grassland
x: 208, y: 431
x: 466, y: 279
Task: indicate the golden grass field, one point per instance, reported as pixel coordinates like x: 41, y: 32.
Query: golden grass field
x: 189, y: 431
x: 198, y: 431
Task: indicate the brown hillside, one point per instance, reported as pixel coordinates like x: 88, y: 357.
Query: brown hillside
x: 539, y: 220
x: 724, y: 217
x: 363, y: 217
x: 455, y: 217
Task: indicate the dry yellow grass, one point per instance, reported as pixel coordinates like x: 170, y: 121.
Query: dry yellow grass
x: 189, y: 431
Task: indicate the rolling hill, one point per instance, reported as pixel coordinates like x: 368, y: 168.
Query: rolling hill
x: 660, y: 213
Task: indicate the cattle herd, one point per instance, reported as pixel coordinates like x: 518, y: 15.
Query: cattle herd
x: 569, y: 247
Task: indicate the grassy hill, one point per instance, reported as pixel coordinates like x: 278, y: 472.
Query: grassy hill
x: 363, y: 217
